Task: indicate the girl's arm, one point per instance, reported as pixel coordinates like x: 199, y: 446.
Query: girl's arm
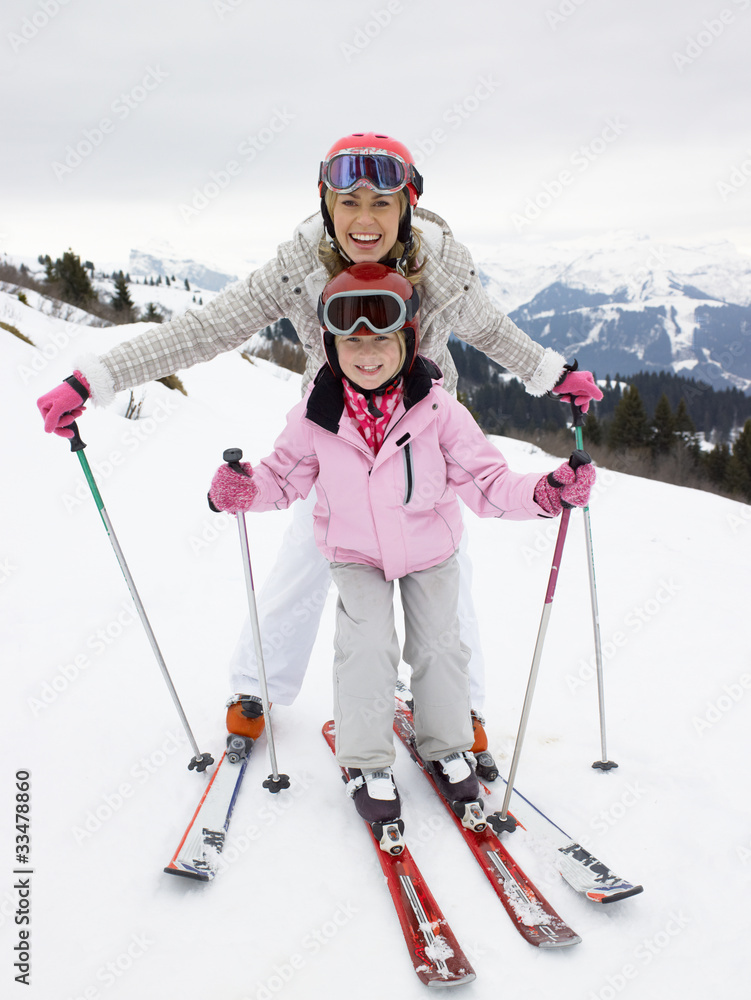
x: 479, y: 473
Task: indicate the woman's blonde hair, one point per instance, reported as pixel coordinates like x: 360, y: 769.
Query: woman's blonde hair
x: 335, y: 263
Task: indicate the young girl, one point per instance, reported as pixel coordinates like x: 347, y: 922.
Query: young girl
x: 369, y: 189
x: 388, y: 451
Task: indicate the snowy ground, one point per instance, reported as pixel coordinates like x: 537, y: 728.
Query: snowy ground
x: 301, y: 909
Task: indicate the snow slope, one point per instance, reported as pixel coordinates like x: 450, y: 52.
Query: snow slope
x: 301, y: 910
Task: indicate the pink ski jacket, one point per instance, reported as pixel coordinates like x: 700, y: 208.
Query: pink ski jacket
x: 396, y: 510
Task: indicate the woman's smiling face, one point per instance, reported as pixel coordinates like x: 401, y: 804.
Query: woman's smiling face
x: 366, y: 224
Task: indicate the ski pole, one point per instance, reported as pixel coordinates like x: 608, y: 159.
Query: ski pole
x: 501, y: 820
x: 603, y: 764
x: 275, y: 781
x: 201, y: 760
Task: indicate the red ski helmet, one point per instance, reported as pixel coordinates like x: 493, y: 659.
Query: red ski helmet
x: 373, y: 160
x: 369, y: 299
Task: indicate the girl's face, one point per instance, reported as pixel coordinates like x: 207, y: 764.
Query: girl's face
x: 371, y: 359
x: 366, y: 224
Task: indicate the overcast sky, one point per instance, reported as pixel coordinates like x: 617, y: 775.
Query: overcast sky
x: 203, y: 123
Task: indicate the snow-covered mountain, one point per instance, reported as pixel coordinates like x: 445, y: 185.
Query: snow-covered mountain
x: 631, y: 304
x: 300, y: 909
x: 160, y: 259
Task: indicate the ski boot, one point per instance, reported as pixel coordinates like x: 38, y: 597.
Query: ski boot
x: 377, y: 800
x: 485, y: 766
x: 457, y: 782
x: 245, y: 722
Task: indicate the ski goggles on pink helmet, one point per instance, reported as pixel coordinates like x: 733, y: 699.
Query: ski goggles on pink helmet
x: 381, y: 310
x: 349, y: 169
x: 371, y: 299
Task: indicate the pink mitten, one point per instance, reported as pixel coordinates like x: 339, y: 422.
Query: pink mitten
x: 564, y: 486
x: 232, y: 491
x: 64, y: 404
x: 579, y: 388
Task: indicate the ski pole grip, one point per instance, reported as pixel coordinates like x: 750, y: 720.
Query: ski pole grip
x: 232, y: 457
x: 578, y: 457
x: 577, y: 415
x: 76, y: 444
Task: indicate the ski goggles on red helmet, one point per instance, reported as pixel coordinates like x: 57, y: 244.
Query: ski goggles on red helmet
x: 387, y: 173
x: 380, y: 311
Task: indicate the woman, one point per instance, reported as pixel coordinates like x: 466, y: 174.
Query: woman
x: 369, y: 190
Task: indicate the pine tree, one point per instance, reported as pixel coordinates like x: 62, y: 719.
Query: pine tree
x: 592, y: 429
x: 682, y: 418
x: 121, y: 301
x: 716, y: 463
x: 663, y: 437
x: 630, y: 426
x: 74, y: 280
x: 152, y: 314
x: 738, y: 473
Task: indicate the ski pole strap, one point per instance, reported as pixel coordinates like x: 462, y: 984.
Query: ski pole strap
x: 80, y: 388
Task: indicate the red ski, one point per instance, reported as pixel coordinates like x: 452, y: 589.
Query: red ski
x: 435, y: 952
x: 531, y: 913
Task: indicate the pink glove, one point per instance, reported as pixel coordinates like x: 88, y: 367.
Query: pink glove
x: 232, y: 492
x: 577, y: 387
x: 565, y: 485
x: 63, y: 405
